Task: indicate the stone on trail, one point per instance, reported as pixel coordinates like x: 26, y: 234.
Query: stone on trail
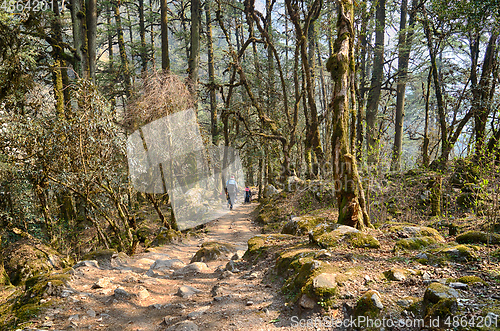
x: 87, y: 263
x: 120, y: 293
x: 187, y: 291
x: 238, y: 255
x: 101, y: 283
x: 191, y: 268
x: 143, y: 293
x: 183, y: 326
x: 165, y: 265
x: 231, y: 266
x: 305, y: 302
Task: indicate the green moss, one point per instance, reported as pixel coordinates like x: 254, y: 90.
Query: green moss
x: 22, y: 306
x: 100, y: 254
x: 470, y: 280
x: 301, y: 225
x: 443, y: 308
x: 168, y: 237
x: 478, y: 237
x: 258, y: 245
x: 416, y: 243
x: 213, y: 250
x: 365, y: 306
x: 286, y: 259
x: 362, y: 240
x: 416, y: 231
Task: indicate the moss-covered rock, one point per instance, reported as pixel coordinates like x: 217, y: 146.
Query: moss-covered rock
x: 369, y: 305
x: 440, y: 301
x: 286, y: 260
x: 22, y: 306
x: 397, y: 274
x: 166, y: 237
x: 27, y: 258
x: 300, y: 226
x: 470, y: 280
x: 461, y: 253
x: 144, y: 235
x: 416, y: 243
x: 342, y: 235
x: 212, y: 251
x: 410, y: 231
x: 316, y: 279
x: 478, y: 237
x: 258, y: 245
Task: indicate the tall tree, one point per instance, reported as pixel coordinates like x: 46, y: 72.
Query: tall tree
x: 125, y: 71
x: 348, y: 187
x: 165, y: 58
x: 91, y: 17
x: 211, y: 75
x: 372, y: 103
x: 404, y: 47
x: 312, y: 141
x: 194, y: 54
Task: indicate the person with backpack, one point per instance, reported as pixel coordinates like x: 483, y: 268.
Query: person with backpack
x: 248, y: 195
x: 232, y: 191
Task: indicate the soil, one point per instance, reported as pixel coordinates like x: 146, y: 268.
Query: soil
x: 241, y: 303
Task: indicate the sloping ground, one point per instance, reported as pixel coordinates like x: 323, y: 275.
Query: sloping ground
x: 316, y: 274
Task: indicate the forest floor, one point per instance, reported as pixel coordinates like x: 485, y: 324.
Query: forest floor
x: 130, y: 293
x: 151, y: 302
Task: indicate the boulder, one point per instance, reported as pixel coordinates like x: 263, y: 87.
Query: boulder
x: 341, y: 234
x: 166, y: 265
x: 294, y: 183
x: 212, y: 251
x: 269, y: 191
x: 478, y: 237
x: 396, y: 274
x: 369, y: 304
x: 192, y: 268
x: 460, y: 253
x: 187, y: 291
x: 440, y: 300
x: 415, y: 243
x: 299, y: 226
x: 166, y: 237
x: 28, y: 258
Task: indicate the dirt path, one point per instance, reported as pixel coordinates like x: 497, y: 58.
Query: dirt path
x: 127, y: 295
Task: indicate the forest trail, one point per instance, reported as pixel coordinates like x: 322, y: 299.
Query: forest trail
x: 125, y: 294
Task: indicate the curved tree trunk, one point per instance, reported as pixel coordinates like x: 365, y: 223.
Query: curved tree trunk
x: 348, y: 188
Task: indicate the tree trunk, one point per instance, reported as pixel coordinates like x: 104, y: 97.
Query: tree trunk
x: 483, y: 93
x: 78, y: 19
x: 142, y: 32
x: 372, y: 103
x: 194, y: 54
x: 165, y: 58
x: 348, y: 187
x: 123, y: 53
x: 91, y: 17
x: 446, y: 147
x: 405, y: 41
x: 211, y: 76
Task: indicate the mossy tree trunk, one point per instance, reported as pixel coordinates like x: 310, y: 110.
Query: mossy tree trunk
x: 372, y: 102
x: 165, y: 58
x: 348, y: 187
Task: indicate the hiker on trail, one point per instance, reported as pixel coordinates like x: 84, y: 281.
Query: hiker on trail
x: 248, y: 195
x: 232, y: 190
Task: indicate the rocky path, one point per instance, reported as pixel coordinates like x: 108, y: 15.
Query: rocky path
x: 160, y: 289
